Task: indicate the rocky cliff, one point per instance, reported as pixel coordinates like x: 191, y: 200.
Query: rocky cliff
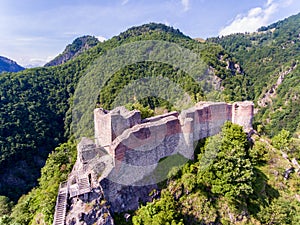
x: 78, y: 46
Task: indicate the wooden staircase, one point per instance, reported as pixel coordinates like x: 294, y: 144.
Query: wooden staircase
x: 83, y: 184
x: 81, y: 187
x: 61, y: 205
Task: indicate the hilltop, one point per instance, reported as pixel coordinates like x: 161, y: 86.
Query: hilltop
x: 252, y: 180
x: 78, y: 46
x: 8, y: 65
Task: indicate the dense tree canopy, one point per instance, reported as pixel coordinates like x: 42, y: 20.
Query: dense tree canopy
x: 231, y: 180
x: 266, y: 55
x: 36, y: 104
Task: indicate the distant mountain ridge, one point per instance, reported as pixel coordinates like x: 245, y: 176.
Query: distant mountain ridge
x: 78, y: 46
x: 8, y: 65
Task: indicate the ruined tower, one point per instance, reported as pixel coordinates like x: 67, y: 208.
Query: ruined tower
x: 242, y: 114
x: 111, y: 124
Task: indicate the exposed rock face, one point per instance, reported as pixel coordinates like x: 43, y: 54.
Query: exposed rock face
x: 271, y: 93
x: 91, y: 210
x: 78, y: 46
x: 123, y: 198
x: 127, y: 159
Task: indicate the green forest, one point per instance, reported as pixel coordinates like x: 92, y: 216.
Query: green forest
x: 264, y: 55
x: 244, y: 181
x: 36, y: 104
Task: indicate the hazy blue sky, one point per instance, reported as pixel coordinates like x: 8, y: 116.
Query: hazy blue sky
x: 35, y: 31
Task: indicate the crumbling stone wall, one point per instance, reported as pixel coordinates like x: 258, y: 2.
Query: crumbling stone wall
x: 111, y: 124
x: 143, y: 143
x: 206, y: 118
x: 136, y: 146
x: 147, y: 143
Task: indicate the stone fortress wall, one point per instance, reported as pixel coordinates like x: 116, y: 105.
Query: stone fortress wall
x: 128, y: 138
x: 129, y: 155
x: 128, y: 150
x: 136, y: 146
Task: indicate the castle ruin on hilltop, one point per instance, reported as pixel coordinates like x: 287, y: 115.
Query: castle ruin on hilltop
x: 119, y: 131
x: 128, y: 151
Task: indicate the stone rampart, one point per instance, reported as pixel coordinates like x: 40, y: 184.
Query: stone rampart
x: 88, y: 150
x: 139, y: 142
x: 137, y: 146
x: 206, y: 118
x: 147, y: 143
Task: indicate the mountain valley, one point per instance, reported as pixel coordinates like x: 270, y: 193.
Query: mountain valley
x: 254, y: 177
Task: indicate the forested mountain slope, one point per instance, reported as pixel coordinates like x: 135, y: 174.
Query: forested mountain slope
x: 36, y: 103
x: 241, y: 182
x: 270, y: 59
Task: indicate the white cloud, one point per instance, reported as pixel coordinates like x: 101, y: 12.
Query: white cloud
x: 255, y: 18
x: 167, y: 23
x: 255, y: 12
x: 35, y: 63
x: 270, y: 2
x: 101, y: 39
x: 185, y: 4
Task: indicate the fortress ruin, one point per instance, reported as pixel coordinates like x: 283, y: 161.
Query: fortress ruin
x: 127, y: 151
x: 132, y: 141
